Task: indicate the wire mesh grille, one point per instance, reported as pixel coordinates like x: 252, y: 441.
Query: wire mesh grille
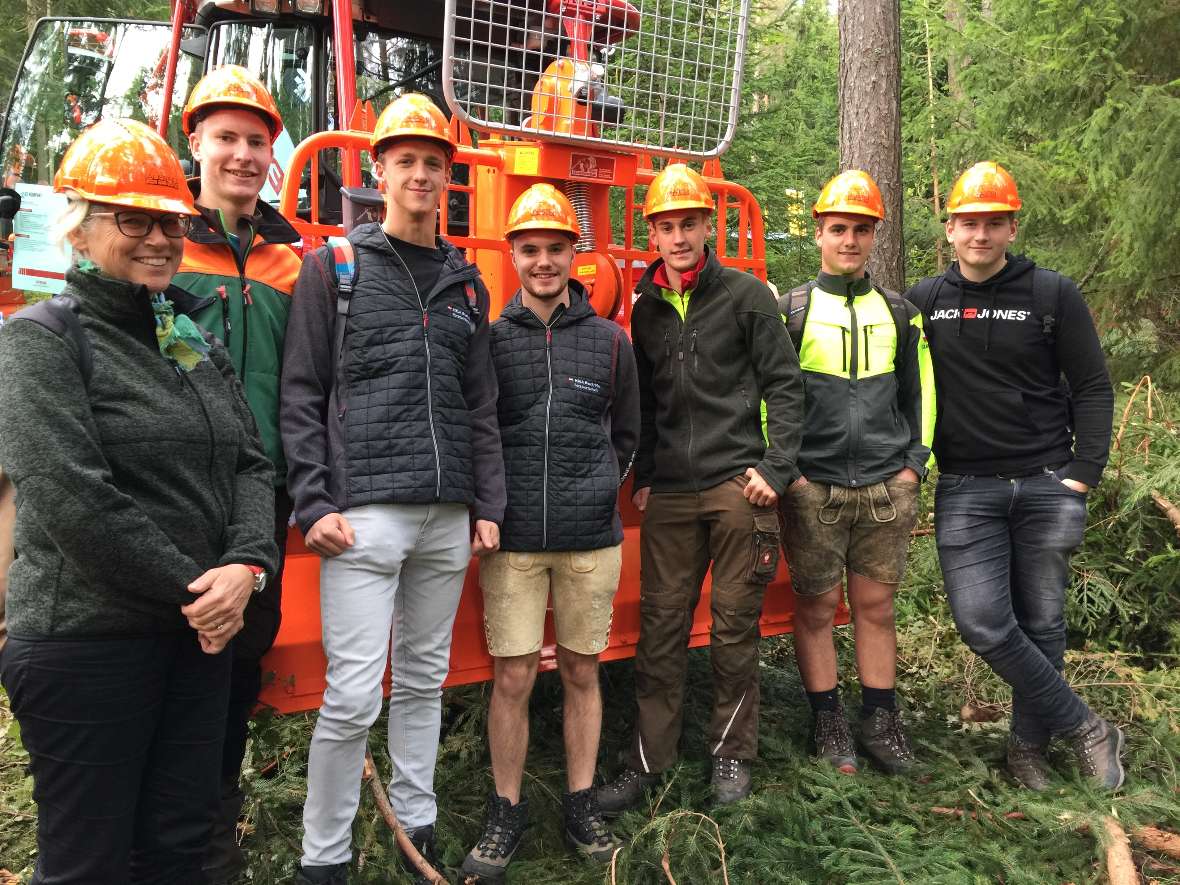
x: 657, y: 75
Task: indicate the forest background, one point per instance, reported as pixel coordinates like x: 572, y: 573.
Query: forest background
x: 1081, y: 101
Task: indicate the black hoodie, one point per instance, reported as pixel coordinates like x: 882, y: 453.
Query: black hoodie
x: 1001, y: 405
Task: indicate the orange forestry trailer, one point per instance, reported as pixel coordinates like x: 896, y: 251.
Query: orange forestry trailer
x: 589, y: 95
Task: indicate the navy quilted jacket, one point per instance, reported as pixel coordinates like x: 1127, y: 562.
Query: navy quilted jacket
x: 411, y: 419
x: 569, y: 423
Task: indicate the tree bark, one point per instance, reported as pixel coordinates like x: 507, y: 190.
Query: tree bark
x: 870, y: 118
x: 956, y: 17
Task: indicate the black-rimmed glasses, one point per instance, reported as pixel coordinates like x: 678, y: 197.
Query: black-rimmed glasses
x: 138, y: 225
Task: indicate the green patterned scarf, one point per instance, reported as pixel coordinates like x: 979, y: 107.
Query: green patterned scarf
x: 179, y: 338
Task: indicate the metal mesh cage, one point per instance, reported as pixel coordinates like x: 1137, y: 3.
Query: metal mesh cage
x: 662, y: 76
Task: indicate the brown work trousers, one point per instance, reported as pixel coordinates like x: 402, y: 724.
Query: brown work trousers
x: 683, y: 533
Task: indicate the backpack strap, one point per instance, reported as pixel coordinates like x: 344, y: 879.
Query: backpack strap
x: 59, y: 315
x: 793, y: 306
x: 901, y: 320
x: 1047, y: 285
x: 343, y: 264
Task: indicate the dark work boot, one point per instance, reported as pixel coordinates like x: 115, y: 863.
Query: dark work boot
x: 883, y: 740
x: 625, y: 791
x: 1028, y: 764
x: 336, y: 874
x: 585, y: 830
x: 502, y: 830
x: 224, y: 859
x: 422, y: 838
x: 832, y: 739
x: 1098, y: 745
x: 731, y: 779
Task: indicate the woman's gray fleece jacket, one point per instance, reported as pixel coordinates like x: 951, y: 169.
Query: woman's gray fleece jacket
x: 131, y: 487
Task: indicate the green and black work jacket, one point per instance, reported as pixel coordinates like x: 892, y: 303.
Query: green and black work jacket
x: 241, y: 292
x: 869, y: 403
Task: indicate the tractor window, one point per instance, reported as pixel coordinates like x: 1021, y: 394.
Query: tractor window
x: 388, y: 65
x: 78, y: 70
x: 281, y: 55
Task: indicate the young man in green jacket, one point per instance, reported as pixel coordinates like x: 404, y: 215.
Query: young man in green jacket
x: 710, y: 347
x: 238, y: 273
x: 869, y: 402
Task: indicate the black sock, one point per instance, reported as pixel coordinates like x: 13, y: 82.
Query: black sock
x: 871, y: 698
x: 824, y: 700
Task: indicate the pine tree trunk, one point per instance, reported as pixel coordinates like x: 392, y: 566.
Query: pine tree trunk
x: 956, y: 17
x: 870, y: 118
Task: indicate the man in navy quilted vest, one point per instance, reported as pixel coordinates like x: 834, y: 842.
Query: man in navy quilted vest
x: 569, y: 418
x: 388, y: 419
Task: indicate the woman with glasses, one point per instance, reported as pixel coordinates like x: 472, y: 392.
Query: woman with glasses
x: 144, y: 511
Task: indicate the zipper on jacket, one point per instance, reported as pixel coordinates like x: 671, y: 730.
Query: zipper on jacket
x: 545, y: 468
x: 692, y: 348
x: 866, y: 353
x: 187, y: 381
x: 430, y: 400
x: 853, y: 410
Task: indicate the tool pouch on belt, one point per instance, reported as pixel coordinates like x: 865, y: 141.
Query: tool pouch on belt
x: 764, y: 549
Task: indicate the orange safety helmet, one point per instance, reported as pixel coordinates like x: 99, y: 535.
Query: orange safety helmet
x: 676, y: 187
x: 985, y: 187
x: 232, y: 86
x: 125, y: 163
x: 850, y: 193
x: 542, y: 207
x: 412, y: 115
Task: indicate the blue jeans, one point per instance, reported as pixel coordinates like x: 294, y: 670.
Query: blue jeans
x: 1004, y: 546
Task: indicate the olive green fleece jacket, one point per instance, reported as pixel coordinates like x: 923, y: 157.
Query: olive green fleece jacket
x: 130, y: 488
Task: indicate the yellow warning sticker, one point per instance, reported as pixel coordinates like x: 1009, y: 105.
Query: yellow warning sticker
x: 527, y: 161
x: 585, y: 270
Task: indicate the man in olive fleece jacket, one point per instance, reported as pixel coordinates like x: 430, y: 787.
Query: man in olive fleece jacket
x: 710, y: 347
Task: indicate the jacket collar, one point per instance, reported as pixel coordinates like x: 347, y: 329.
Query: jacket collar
x: 711, y: 270
x: 266, y: 222
x: 844, y: 286
x: 578, y: 310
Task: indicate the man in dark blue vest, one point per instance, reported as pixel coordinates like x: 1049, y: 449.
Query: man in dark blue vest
x: 389, y: 426
x: 569, y: 420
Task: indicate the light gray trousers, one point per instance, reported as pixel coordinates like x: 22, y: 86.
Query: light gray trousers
x: 394, y: 593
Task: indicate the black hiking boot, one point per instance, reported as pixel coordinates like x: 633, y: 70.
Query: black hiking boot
x: 1028, y: 764
x: 585, y: 830
x: 224, y: 859
x: 422, y: 838
x: 731, y: 779
x: 625, y: 791
x: 336, y: 874
x: 502, y: 830
x: 832, y: 739
x: 1098, y: 745
x: 883, y: 740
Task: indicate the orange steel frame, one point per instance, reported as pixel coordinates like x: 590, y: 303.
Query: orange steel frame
x: 296, y: 665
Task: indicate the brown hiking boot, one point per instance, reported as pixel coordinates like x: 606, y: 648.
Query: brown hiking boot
x: 625, y: 791
x: 731, y: 779
x: 883, y: 740
x: 1098, y: 745
x: 832, y: 739
x: 585, y: 830
x: 502, y: 831
x: 1028, y: 764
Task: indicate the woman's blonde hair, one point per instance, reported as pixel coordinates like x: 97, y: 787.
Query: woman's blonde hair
x: 77, y: 209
